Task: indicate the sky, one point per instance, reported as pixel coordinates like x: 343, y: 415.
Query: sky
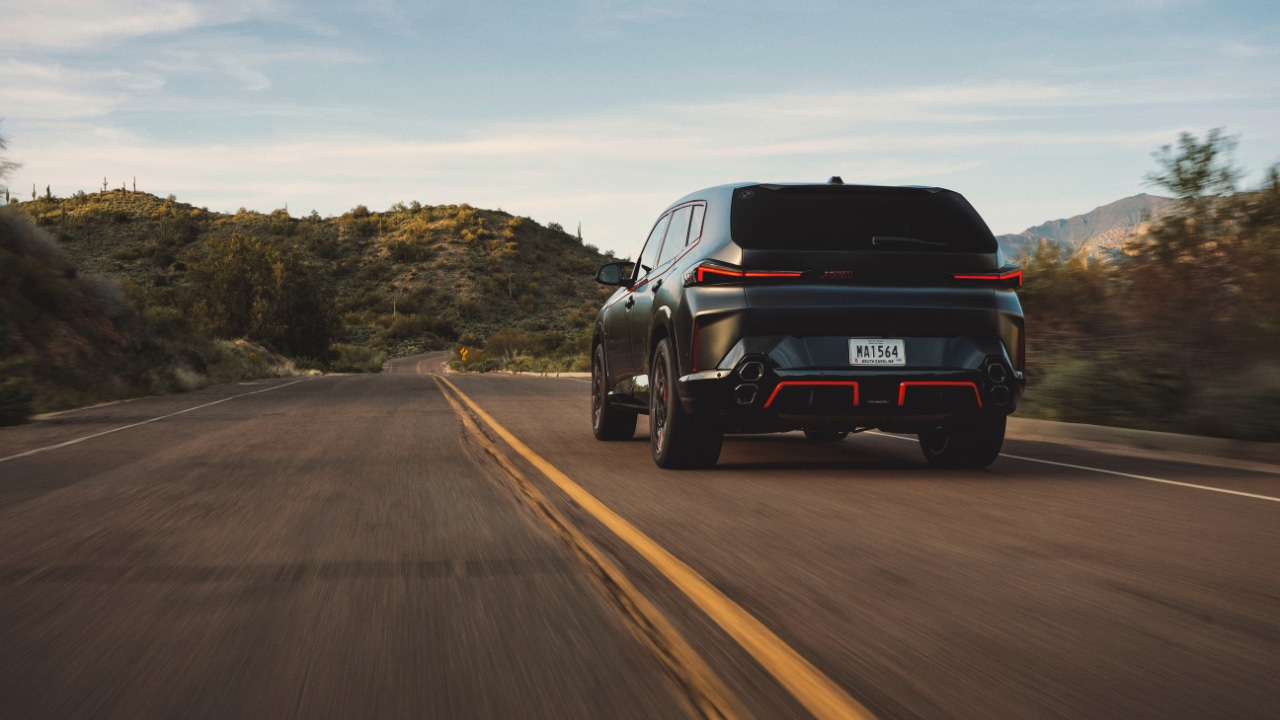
x: 601, y: 112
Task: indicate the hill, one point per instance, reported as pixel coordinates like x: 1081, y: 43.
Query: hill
x: 1104, y: 227
x: 409, y: 278
x: 69, y: 338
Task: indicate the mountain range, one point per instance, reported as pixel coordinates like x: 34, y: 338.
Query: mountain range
x: 1102, y: 228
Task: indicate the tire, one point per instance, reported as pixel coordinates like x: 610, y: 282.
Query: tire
x: 967, y: 442
x: 825, y: 436
x: 607, y: 422
x: 678, y: 439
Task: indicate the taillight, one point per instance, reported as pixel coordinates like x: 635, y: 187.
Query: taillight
x: 1008, y: 276
x: 714, y: 274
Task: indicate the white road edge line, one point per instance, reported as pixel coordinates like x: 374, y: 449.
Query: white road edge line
x: 144, y: 422
x: 1114, y: 472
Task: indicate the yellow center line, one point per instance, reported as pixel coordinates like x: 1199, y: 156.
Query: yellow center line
x: 817, y: 692
x: 708, y: 695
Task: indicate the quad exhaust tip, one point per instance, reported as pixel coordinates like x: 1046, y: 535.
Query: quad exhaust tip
x: 1000, y: 395
x: 751, y: 371
x: 997, y: 373
x: 745, y: 394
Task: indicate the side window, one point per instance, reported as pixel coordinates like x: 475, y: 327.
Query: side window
x: 649, y: 255
x: 695, y: 226
x: 676, y: 235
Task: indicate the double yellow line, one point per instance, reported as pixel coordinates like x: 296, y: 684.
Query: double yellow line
x: 814, y: 690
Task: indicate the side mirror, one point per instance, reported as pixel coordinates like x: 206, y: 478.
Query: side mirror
x: 616, y: 273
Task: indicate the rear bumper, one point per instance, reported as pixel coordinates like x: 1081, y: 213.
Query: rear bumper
x: 785, y: 383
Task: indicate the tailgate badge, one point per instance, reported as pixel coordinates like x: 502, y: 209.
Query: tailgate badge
x: 836, y: 275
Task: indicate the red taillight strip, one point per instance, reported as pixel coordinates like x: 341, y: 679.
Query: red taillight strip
x: 1011, y: 277
x: 704, y: 270
x: 754, y: 274
x: 827, y: 383
x: 902, y: 389
x: 717, y: 271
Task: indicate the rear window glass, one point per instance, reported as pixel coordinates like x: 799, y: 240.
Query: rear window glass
x: 835, y: 217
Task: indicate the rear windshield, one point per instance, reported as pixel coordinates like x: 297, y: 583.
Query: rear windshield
x: 835, y: 217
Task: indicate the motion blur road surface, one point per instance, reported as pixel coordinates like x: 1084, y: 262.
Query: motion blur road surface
x: 346, y: 547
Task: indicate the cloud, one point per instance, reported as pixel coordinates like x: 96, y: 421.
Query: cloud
x: 67, y: 24
x: 80, y: 25
x: 611, y: 171
x: 53, y: 92
x: 605, y: 20
x: 1246, y: 51
x: 614, y: 170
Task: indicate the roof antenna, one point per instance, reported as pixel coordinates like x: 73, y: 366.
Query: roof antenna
x: 835, y: 180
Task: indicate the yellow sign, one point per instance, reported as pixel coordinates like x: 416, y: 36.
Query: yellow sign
x: 463, y: 353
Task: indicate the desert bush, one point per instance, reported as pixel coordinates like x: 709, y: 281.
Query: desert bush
x: 104, y: 294
x: 356, y: 359
x: 404, y: 325
x: 15, y: 401
x: 507, y: 343
x: 265, y: 291
x: 408, y: 250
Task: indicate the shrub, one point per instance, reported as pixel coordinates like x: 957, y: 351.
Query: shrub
x: 405, y: 251
x: 403, y: 326
x: 356, y: 359
x: 507, y: 343
x: 244, y: 287
x: 15, y: 401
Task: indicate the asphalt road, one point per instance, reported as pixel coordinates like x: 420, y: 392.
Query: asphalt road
x: 350, y: 546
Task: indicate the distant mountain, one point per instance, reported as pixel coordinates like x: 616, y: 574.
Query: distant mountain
x: 1104, y: 227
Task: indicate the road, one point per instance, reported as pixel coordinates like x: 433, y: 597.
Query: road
x: 401, y: 545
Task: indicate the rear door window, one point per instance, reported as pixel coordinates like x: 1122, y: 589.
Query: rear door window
x: 677, y: 234
x: 649, y: 255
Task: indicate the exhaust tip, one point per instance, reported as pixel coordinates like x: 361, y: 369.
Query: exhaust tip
x: 997, y: 373
x: 1000, y: 395
x: 751, y: 371
x: 745, y: 394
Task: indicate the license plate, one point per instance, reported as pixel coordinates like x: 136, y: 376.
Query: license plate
x: 877, y: 351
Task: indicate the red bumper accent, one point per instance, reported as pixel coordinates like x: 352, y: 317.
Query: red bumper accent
x: 824, y: 383
x: 902, y: 388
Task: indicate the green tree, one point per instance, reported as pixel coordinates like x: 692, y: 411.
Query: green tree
x: 1205, y: 276
x: 263, y: 291
x: 1197, y: 170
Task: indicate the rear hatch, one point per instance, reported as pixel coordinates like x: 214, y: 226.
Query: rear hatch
x: 863, y: 260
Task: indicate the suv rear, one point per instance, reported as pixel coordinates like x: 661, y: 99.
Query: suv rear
x: 827, y: 308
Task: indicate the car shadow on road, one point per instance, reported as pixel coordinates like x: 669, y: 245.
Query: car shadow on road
x: 795, y: 452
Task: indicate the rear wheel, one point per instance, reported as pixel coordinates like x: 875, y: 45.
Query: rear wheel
x: 607, y: 422
x: 825, y: 436
x: 964, y: 442
x: 678, y: 439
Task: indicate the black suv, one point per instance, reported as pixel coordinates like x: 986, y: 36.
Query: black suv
x: 827, y: 308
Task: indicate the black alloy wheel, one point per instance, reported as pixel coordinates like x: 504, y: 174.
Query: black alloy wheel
x: 607, y: 422
x: 967, y: 442
x: 678, y: 439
